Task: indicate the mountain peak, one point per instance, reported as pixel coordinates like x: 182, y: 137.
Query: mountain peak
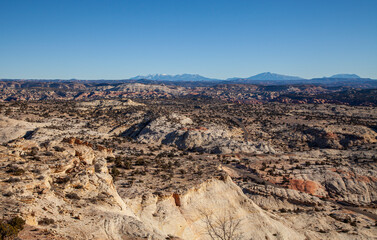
x: 345, y: 75
x: 273, y: 76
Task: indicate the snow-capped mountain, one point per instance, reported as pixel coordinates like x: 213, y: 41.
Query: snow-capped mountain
x: 178, y: 77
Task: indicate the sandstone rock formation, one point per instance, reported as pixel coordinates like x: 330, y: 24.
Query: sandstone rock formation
x: 181, y: 132
x: 11, y: 129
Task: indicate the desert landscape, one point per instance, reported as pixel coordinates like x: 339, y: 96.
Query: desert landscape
x: 188, y: 120
x: 156, y: 161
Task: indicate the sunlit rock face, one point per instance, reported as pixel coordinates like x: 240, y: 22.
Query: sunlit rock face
x: 181, y: 132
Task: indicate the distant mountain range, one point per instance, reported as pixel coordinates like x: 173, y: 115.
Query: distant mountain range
x: 179, y: 77
x: 266, y: 76
x: 195, y: 80
x: 262, y: 78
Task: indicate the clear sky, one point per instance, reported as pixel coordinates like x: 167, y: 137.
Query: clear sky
x: 118, y: 39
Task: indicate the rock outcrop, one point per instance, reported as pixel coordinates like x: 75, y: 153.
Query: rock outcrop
x: 181, y: 132
x: 77, y: 190
x: 184, y: 215
x: 11, y: 129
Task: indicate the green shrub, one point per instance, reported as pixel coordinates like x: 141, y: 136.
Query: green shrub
x: 10, y: 229
x: 7, y: 231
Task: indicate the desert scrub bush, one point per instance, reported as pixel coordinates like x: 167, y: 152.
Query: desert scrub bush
x: 13, y: 180
x: 61, y: 180
x: 10, y: 229
x: 16, y: 171
x: 48, y: 154
x: 72, y: 196
x: 110, y: 159
x: 127, y: 165
x: 119, y: 161
x: 34, y: 151
x: 114, y: 171
x: 223, y: 226
x: 140, y: 162
x: 46, y: 221
x: 177, y: 163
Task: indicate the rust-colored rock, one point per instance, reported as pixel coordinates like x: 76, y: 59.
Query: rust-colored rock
x: 306, y: 186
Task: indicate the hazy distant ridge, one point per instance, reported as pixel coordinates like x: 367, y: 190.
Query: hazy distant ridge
x: 273, y: 76
x: 344, y: 75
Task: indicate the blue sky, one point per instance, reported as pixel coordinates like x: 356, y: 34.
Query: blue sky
x: 109, y: 39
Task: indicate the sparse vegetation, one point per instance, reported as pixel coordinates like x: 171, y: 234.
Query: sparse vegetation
x: 222, y: 226
x: 10, y: 229
x: 287, y: 161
